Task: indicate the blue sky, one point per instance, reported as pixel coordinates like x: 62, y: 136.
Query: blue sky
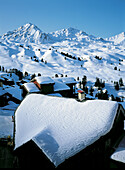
x: 102, y: 18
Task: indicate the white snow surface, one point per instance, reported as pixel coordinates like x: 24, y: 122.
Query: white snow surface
x: 62, y: 127
x: 59, y: 86
x: 119, y: 155
x: 31, y: 87
x: 44, y: 80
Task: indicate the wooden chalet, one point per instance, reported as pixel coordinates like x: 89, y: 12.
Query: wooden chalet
x: 29, y: 88
x: 4, y: 97
x: 61, y: 88
x: 70, y: 82
x: 46, y: 85
x: 6, y: 80
x: 96, y: 155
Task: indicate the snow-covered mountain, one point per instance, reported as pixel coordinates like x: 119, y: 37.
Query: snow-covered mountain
x: 67, y: 51
x: 71, y: 34
x: 31, y: 33
x: 27, y: 33
x: 118, y: 39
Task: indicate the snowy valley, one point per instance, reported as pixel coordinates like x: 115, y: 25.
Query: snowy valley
x: 68, y: 52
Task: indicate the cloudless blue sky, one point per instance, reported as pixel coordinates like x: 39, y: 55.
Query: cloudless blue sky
x: 102, y: 18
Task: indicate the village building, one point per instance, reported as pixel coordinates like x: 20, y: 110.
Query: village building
x: 29, y: 88
x: 4, y: 97
x: 81, y: 95
x: 69, y: 81
x: 6, y: 80
x: 63, y: 133
x: 46, y: 85
x: 62, y: 88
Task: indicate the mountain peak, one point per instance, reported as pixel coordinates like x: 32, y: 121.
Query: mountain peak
x: 72, y: 29
x: 68, y: 33
x: 123, y: 34
x: 118, y: 39
x: 27, y: 33
x: 29, y: 27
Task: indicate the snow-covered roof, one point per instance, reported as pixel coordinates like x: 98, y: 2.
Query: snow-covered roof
x: 31, y: 87
x: 119, y: 154
x: 80, y: 91
x: 44, y: 80
x: 55, y: 94
x: 59, y: 86
x: 15, y: 92
x: 62, y: 127
x: 66, y: 80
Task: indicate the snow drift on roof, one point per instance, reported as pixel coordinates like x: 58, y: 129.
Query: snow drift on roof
x: 59, y: 86
x: 31, y: 87
x: 44, y: 80
x: 66, y: 80
x: 62, y: 127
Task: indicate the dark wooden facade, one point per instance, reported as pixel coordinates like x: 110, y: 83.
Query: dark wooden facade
x: 4, y: 99
x: 96, y: 155
x: 47, y: 88
x: 72, y: 87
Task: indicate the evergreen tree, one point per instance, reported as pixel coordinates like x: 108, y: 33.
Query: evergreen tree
x: 116, y: 85
x: 84, y: 80
x: 97, y: 82
x: 2, y: 69
x: 77, y: 78
x: 42, y: 60
x: 112, y: 97
x: 56, y: 75
x: 91, y: 91
x: 26, y: 74
x: 121, y: 82
x: 39, y: 74
x: 33, y: 76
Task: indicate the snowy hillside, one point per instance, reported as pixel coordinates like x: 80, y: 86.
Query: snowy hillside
x: 68, y: 51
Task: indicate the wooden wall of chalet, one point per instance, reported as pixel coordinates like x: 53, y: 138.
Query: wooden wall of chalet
x: 64, y: 93
x: 24, y: 92
x: 72, y: 87
x: 3, y: 101
x: 47, y: 88
x: 30, y: 156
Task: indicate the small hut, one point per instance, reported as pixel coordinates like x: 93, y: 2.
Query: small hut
x: 81, y: 95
